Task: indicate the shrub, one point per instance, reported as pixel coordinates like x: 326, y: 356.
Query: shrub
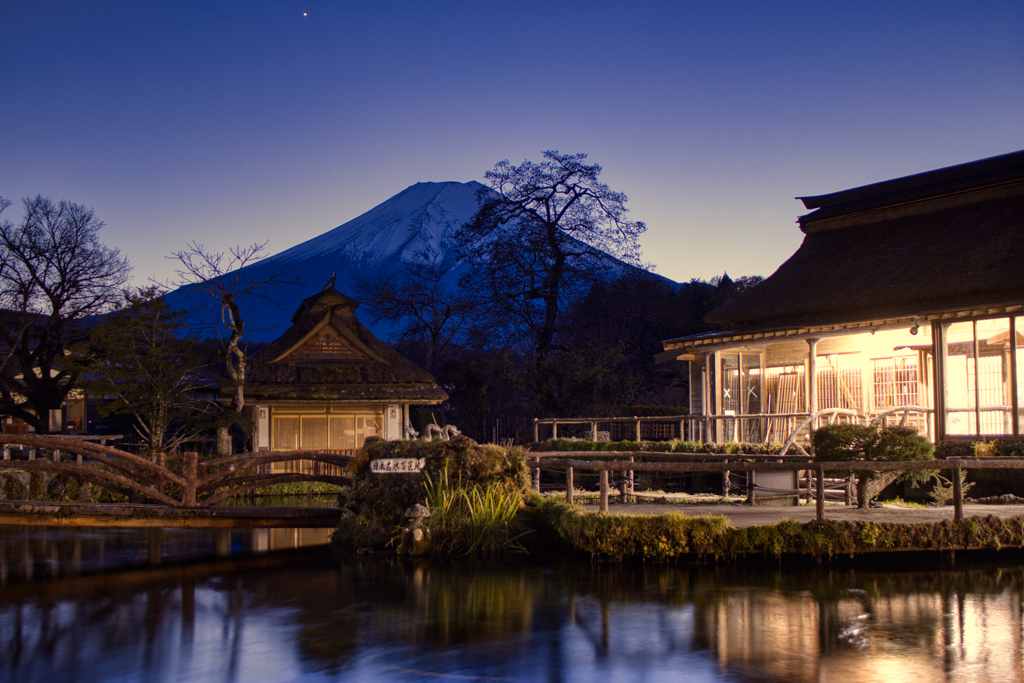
x: 673, y: 446
x: 36, y: 486
x: 473, y: 519
x: 14, y: 487
x: 842, y: 442
x: 942, y: 493
x: 374, y: 505
x: 900, y: 444
x: 954, y: 448
x: 846, y: 442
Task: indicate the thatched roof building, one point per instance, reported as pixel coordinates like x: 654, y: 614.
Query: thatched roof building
x: 910, y: 288
x: 328, y: 355
x: 328, y: 383
x: 932, y: 242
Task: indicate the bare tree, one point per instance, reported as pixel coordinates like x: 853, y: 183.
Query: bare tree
x: 228, y: 279
x: 539, y: 236
x: 420, y: 302
x: 53, y: 273
x: 147, y: 357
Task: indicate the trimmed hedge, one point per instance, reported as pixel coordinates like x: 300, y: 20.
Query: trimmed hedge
x: 673, y: 446
x: 966, y: 448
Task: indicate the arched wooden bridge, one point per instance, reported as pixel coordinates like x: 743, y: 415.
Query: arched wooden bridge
x: 201, y: 484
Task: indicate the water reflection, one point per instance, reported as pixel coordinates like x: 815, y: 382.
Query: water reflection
x: 32, y: 553
x: 375, y: 619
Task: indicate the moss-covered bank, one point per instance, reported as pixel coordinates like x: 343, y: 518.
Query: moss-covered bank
x: 674, y: 536
x: 480, y: 502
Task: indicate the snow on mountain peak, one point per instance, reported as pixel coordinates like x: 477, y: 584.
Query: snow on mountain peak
x: 424, y: 214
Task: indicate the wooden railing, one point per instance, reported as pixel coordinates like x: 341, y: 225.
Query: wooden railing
x: 626, y: 462
x: 202, y: 484
x: 689, y: 426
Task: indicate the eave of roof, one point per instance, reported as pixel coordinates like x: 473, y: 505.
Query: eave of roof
x: 953, y: 180
x: 710, y: 340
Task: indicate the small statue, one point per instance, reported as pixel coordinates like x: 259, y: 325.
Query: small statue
x: 415, y: 534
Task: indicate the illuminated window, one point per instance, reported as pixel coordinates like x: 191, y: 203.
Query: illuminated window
x: 979, y: 384
x: 895, y: 382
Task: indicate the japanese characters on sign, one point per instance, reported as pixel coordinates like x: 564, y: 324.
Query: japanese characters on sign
x: 396, y: 465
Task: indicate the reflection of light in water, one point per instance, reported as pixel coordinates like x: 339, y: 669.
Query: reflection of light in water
x: 856, y: 634
x: 50, y: 552
x: 385, y: 619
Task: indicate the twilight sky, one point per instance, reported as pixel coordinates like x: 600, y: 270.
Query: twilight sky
x: 235, y: 122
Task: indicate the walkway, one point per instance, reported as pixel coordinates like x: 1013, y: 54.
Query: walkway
x: 745, y: 515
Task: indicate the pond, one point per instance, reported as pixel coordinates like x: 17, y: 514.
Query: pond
x: 306, y: 615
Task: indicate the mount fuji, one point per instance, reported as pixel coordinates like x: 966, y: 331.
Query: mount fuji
x: 425, y: 215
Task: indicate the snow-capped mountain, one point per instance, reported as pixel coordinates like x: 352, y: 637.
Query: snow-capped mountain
x: 423, y: 215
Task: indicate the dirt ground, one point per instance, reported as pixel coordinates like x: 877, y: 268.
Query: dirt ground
x: 745, y: 515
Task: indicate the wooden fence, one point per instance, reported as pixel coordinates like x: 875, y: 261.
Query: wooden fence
x: 626, y: 462
x: 653, y: 427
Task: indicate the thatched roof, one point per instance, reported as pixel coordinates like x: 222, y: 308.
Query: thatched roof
x: 945, y: 240
x: 327, y: 354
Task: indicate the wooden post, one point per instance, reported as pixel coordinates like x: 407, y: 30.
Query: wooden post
x: 554, y: 429
x: 725, y: 481
x: 604, y: 490
x: 821, y: 492
x: 593, y: 431
x: 569, y: 493
x: 536, y: 431
x: 536, y: 474
x: 849, y: 490
x: 629, y: 478
x: 191, y: 464
x: 751, y: 483
x: 56, y: 455
x: 637, y: 428
x: 31, y: 454
x: 812, y: 380
x: 159, y: 459
x: 958, y: 496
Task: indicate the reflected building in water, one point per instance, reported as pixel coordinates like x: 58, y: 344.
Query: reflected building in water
x: 379, y: 619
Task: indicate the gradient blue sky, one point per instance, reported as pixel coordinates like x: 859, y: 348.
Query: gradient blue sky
x: 235, y: 122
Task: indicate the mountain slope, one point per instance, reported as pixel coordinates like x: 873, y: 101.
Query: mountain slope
x: 423, y: 215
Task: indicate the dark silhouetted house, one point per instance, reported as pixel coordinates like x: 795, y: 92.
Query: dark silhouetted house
x: 328, y: 383
x: 904, y: 302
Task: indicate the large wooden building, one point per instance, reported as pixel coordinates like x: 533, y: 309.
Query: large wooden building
x: 328, y: 383
x: 905, y: 302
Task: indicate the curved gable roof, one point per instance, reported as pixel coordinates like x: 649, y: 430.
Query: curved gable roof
x: 360, y: 367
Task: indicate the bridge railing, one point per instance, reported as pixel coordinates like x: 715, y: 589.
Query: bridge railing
x: 201, y: 484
